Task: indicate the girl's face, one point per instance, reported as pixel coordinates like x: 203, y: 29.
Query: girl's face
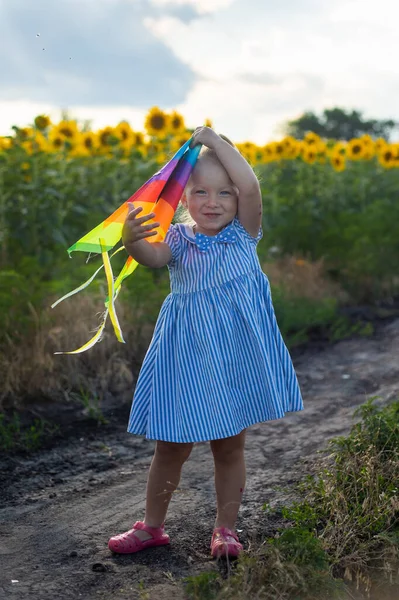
x: 210, y: 197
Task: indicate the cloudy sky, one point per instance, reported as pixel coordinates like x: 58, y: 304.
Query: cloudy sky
x: 249, y: 65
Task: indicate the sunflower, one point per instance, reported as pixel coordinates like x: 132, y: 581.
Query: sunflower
x: 386, y: 157
x: 153, y: 148
x: 369, y: 147
x: 177, y: 141
x: 90, y: 141
x: 42, y: 122
x: 56, y: 140
x: 338, y: 148
x: 39, y: 142
x: 355, y: 149
x: 395, y: 148
x: 208, y: 123
x: 79, y: 149
x: 138, y: 139
x: 27, y: 145
x: 367, y: 140
x: 311, y: 138
x: 380, y: 144
x: 107, y: 138
x: 269, y: 153
x: 68, y: 129
x: 338, y: 161
x: 301, y: 148
x: 176, y: 123
x: 290, y: 147
x: 5, y: 143
x: 157, y: 122
x: 279, y: 149
x: 25, y: 166
x: 248, y: 150
x: 124, y: 132
x: 24, y: 133
x: 322, y: 152
x: 310, y: 155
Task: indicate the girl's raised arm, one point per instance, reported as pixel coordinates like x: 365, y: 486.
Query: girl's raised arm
x: 242, y: 175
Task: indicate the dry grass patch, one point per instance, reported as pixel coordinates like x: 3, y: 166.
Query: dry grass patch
x: 301, y: 278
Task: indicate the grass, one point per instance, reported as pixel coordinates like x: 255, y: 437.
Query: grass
x: 15, y: 436
x: 344, y: 527
x: 306, y: 304
x: 91, y: 403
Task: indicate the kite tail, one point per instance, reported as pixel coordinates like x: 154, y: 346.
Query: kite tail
x: 113, y: 292
x: 85, y: 284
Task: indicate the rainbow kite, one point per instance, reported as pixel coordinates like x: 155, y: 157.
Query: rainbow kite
x: 160, y: 195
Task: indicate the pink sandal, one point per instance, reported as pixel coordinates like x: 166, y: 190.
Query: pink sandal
x: 225, y: 543
x: 128, y: 542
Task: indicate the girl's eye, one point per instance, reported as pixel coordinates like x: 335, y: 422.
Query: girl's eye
x: 200, y: 192
x: 225, y: 193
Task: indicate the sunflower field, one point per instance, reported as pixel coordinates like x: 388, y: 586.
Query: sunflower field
x: 324, y: 200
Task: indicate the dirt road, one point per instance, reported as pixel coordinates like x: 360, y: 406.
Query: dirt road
x: 59, y: 507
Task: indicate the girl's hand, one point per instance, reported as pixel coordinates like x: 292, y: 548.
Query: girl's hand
x: 206, y: 136
x: 134, y: 228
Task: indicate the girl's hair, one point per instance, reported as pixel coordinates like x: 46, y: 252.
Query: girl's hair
x: 209, y: 153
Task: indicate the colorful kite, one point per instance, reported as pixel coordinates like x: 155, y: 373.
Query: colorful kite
x: 160, y: 195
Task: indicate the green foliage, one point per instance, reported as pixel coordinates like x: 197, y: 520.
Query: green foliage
x: 296, y: 316
x: 92, y: 404
x: 291, y: 567
x: 347, y: 523
x: 339, y: 124
x: 352, y: 504
x: 59, y: 199
x: 350, y: 219
x: 202, y: 587
x: 14, y: 436
x: 299, y: 317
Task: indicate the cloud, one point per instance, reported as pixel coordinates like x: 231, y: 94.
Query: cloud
x: 202, y: 6
x: 261, y: 62
x: 88, y: 53
x: 249, y: 65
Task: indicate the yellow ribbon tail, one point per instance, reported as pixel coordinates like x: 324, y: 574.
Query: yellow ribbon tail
x: 85, y: 284
x: 128, y: 268
x: 91, y: 342
x: 111, y: 292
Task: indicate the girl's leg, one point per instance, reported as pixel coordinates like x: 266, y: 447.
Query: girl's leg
x: 229, y: 460
x: 163, y: 479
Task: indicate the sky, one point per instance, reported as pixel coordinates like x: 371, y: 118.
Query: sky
x: 248, y: 65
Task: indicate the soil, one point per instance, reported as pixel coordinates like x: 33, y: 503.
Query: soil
x: 60, y: 505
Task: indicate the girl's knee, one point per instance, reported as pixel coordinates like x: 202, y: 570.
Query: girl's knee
x: 173, y: 452
x: 229, y: 449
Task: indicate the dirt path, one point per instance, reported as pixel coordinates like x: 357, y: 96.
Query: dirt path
x: 59, y: 508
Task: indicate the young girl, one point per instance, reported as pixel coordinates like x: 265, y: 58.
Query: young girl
x: 217, y: 362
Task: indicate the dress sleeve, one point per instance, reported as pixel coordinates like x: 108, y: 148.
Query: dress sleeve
x: 243, y: 232
x: 174, y: 241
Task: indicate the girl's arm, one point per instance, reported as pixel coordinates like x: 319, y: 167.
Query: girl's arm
x: 240, y: 172
x: 134, y: 232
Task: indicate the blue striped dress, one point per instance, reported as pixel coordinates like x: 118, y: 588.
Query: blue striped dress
x: 217, y: 362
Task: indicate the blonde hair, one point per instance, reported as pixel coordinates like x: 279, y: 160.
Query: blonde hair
x: 209, y: 153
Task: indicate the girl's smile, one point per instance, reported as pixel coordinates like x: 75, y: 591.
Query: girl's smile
x: 210, y: 197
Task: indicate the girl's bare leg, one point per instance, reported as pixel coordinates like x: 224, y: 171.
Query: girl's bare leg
x: 163, y: 479
x: 229, y: 460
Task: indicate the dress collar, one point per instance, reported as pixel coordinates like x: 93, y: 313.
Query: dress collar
x: 204, y: 242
